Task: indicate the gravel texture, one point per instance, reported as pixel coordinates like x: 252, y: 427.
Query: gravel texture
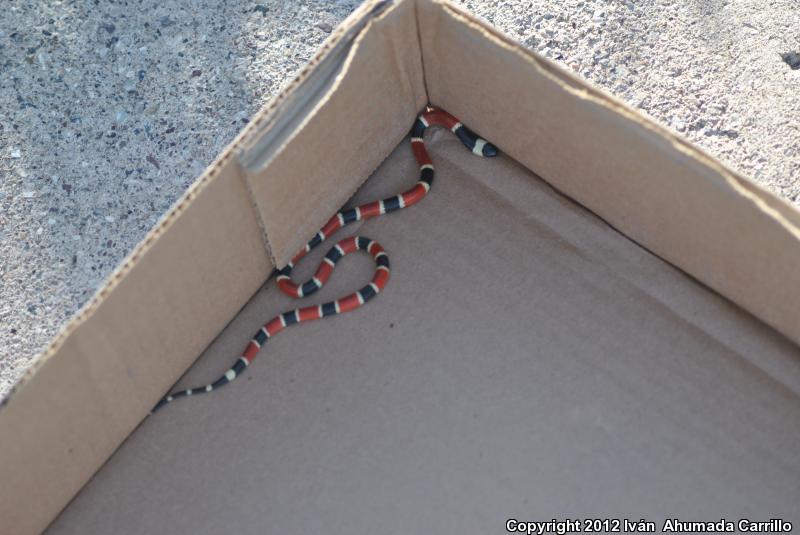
x: 108, y: 111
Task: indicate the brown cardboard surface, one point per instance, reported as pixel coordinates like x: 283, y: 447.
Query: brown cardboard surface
x: 526, y: 360
x: 656, y: 188
x: 163, y: 307
x: 138, y: 334
x: 363, y: 116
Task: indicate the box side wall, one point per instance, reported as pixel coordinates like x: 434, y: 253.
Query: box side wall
x: 174, y: 294
x: 652, y: 186
x: 521, y: 346
x: 127, y: 349
x: 191, y: 277
x: 360, y: 120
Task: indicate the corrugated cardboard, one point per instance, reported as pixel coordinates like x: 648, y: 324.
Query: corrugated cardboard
x: 527, y: 359
x: 326, y: 164
x: 653, y: 186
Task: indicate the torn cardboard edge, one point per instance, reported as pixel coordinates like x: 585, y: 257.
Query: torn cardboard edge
x: 151, y: 307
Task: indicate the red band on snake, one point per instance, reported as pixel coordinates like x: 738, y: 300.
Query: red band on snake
x: 430, y: 117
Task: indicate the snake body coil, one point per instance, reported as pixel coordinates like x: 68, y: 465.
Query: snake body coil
x: 430, y: 117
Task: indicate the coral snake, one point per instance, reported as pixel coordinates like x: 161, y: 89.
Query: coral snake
x: 430, y: 117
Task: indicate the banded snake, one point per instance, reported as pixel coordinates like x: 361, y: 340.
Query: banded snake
x: 430, y: 117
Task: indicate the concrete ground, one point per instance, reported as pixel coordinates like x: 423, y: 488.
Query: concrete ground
x: 108, y: 112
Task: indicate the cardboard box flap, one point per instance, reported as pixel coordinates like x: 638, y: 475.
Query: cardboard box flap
x: 305, y: 168
x: 525, y: 360
x: 654, y: 187
x: 179, y: 289
x: 165, y: 303
x: 116, y: 358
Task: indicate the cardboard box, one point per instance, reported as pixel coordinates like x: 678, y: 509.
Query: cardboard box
x: 600, y: 322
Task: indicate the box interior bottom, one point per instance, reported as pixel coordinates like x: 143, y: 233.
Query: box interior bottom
x: 525, y: 360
